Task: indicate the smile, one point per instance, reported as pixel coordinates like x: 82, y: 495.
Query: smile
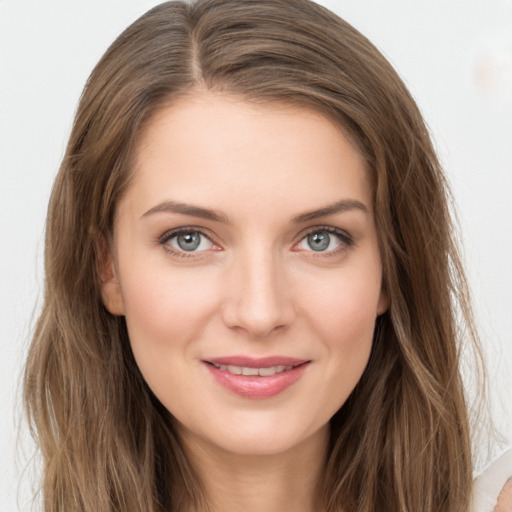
x: 256, y: 378
x: 245, y: 370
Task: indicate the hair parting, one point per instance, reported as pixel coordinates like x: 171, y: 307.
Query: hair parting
x: 401, y: 442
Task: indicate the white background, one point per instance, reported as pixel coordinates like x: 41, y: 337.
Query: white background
x: 455, y: 56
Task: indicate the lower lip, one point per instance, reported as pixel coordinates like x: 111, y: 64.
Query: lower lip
x: 254, y: 386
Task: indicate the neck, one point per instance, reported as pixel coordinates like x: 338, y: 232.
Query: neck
x: 270, y: 482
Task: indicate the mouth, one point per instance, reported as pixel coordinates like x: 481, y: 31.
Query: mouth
x: 256, y: 378
x: 248, y: 371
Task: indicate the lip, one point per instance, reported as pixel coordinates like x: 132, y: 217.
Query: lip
x: 257, y: 362
x: 252, y: 386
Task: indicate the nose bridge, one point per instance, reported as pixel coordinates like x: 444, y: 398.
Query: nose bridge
x: 257, y: 300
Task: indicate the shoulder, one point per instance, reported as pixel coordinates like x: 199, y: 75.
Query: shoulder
x: 505, y: 498
x: 493, y: 487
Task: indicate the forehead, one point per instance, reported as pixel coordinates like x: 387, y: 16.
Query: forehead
x: 210, y: 147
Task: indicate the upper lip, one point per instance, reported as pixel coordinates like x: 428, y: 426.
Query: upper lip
x: 257, y: 362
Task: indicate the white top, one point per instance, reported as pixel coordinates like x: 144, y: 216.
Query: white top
x: 490, y: 482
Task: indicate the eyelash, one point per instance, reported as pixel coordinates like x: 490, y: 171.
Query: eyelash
x: 168, y: 235
x: 345, y: 239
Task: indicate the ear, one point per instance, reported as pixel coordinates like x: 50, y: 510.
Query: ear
x: 107, y: 275
x: 383, y: 304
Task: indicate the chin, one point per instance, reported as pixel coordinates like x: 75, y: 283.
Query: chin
x: 255, y: 438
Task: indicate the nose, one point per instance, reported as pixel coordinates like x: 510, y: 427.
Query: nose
x: 258, y: 300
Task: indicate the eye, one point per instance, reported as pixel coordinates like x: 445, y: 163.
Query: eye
x: 324, y: 240
x: 187, y: 241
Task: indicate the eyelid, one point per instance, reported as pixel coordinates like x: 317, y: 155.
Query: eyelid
x: 347, y: 240
x: 171, y: 233
x: 163, y: 238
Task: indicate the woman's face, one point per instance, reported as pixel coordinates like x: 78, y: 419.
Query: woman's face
x: 247, y: 266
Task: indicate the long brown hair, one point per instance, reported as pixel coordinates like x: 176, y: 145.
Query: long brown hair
x: 401, y: 441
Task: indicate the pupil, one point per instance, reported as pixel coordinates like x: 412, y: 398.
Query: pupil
x: 189, y: 241
x: 318, y: 241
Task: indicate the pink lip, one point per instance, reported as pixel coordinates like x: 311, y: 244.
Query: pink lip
x: 255, y: 386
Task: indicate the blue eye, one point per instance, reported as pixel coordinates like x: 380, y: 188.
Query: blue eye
x: 323, y: 240
x: 189, y: 241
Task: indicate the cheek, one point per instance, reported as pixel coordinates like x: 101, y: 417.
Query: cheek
x: 165, y: 312
x: 342, y: 313
x: 160, y: 298
x: 345, y: 306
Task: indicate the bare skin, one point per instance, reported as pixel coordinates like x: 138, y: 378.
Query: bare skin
x: 505, y: 498
x: 254, y: 188
x: 272, y: 483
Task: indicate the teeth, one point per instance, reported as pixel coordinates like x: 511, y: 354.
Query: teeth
x: 244, y: 370
x: 267, y: 372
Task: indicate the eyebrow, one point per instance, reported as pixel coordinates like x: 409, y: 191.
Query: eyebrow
x: 344, y: 205
x: 188, y: 209
x: 204, y: 213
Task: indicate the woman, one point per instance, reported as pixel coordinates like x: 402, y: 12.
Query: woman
x: 251, y: 282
